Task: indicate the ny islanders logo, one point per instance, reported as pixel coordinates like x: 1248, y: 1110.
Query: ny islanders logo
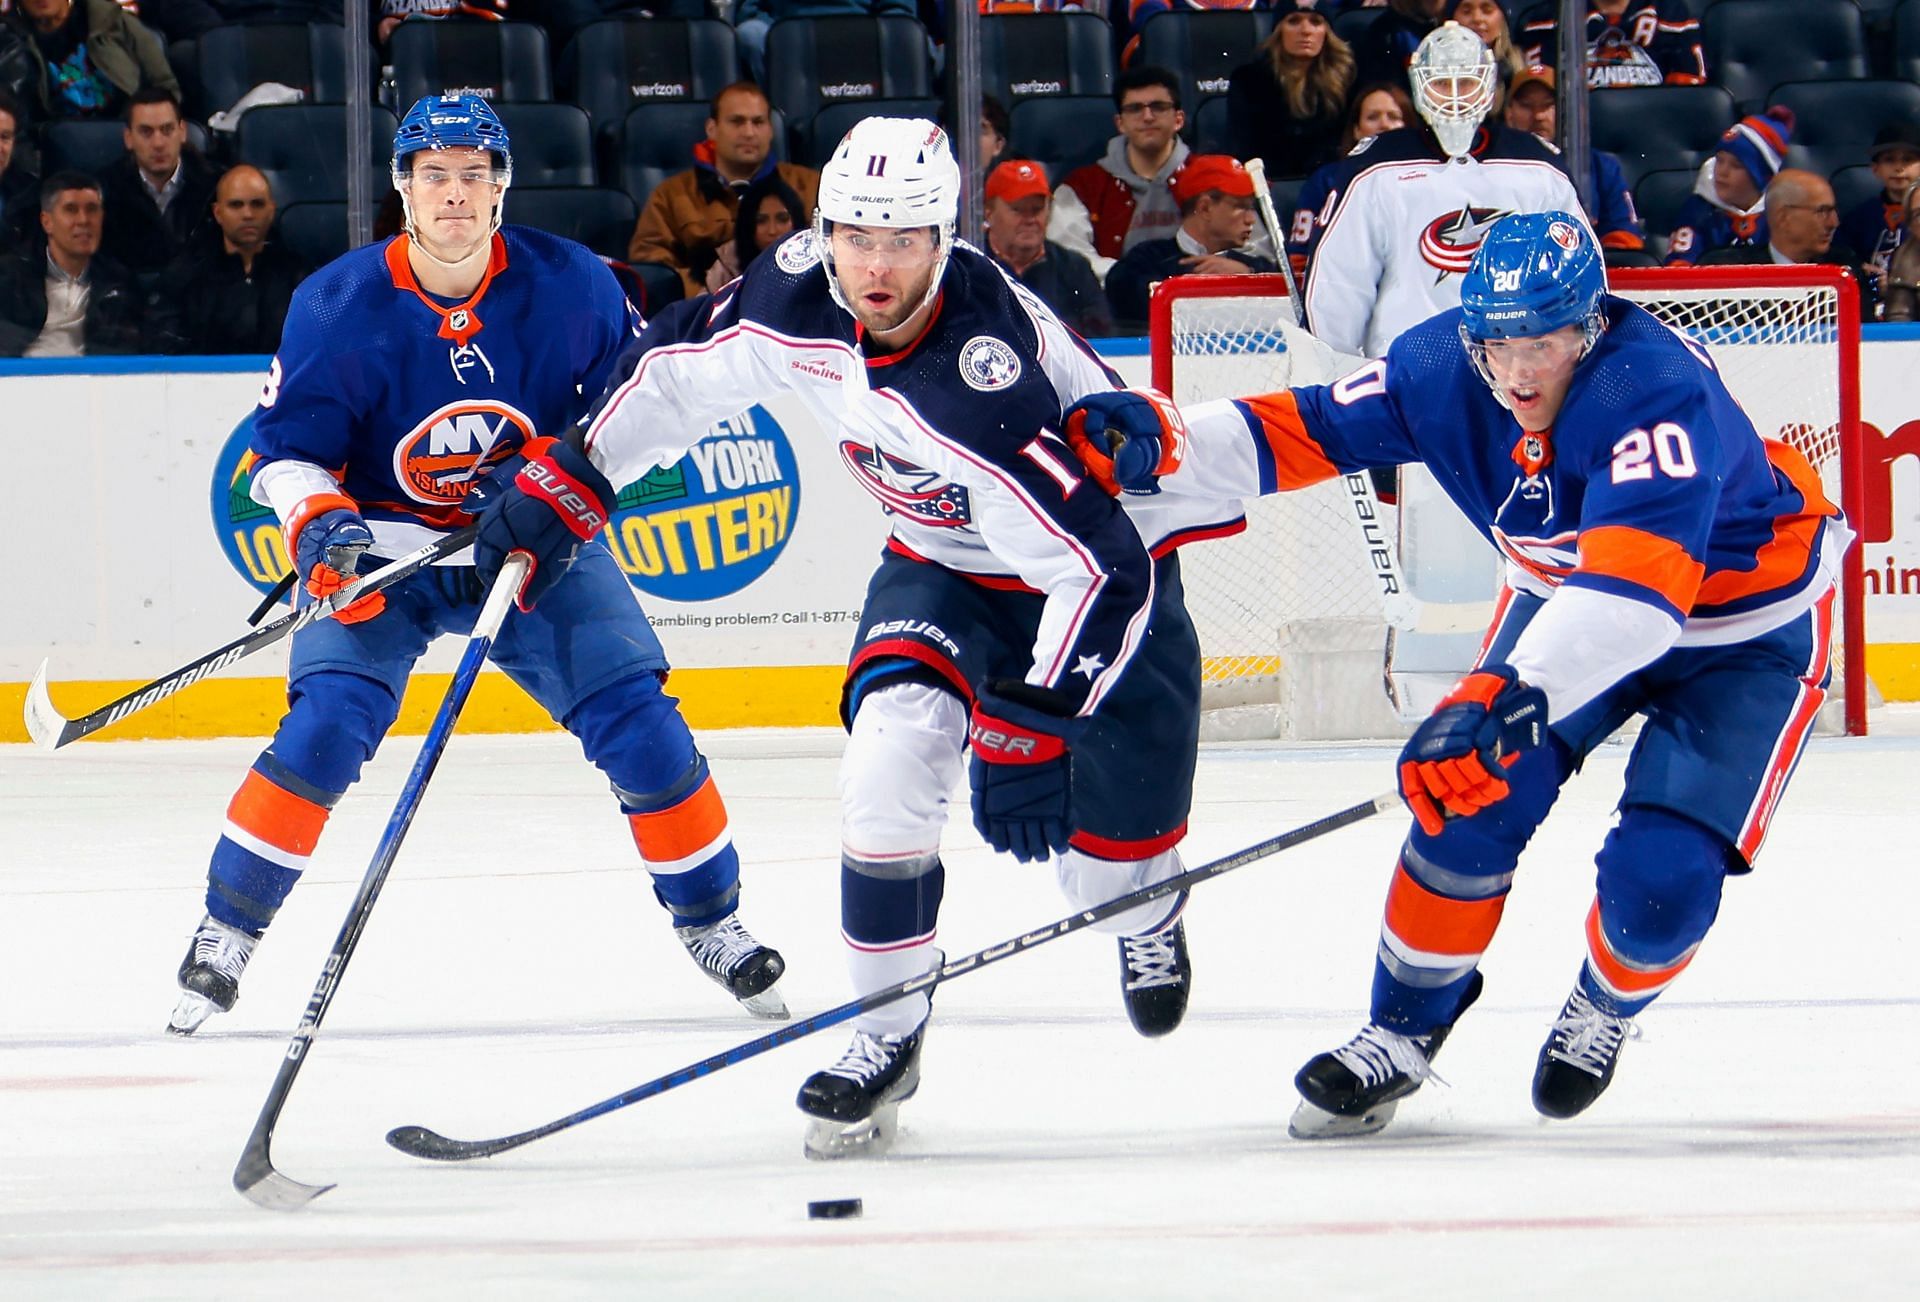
x: 906, y: 489
x: 438, y: 459
x: 1450, y: 240
x: 715, y: 520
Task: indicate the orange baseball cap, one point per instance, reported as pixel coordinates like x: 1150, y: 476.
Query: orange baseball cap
x: 1205, y: 172
x: 1017, y: 179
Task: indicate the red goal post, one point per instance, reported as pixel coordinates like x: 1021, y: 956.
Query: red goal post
x: 1786, y: 340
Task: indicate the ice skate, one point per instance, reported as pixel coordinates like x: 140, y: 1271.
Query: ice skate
x: 855, y: 1104
x: 1355, y: 1089
x: 727, y: 952
x: 1577, y: 1061
x: 210, y: 974
x: 1155, y: 977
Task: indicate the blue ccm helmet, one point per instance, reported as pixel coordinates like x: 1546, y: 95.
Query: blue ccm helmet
x: 1535, y: 273
x: 450, y: 122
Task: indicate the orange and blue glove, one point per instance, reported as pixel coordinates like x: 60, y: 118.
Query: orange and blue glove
x: 1453, y: 762
x: 326, y: 538
x: 547, y: 504
x: 1127, y: 438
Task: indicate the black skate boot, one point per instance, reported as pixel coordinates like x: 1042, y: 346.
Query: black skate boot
x: 1155, y: 976
x: 727, y: 952
x: 210, y: 974
x: 855, y: 1104
x: 1577, y: 1061
x: 1355, y: 1089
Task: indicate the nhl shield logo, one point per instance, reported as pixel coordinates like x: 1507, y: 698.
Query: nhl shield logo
x: 987, y: 364
x: 459, y: 319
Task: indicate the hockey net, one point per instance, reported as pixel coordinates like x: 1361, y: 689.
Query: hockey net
x: 1290, y: 615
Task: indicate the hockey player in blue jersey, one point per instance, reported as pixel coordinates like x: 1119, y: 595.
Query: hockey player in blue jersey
x: 1016, y: 605
x: 406, y: 372
x: 1664, y: 561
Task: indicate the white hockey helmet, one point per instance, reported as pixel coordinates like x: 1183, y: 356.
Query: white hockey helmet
x: 1455, y: 79
x: 892, y: 172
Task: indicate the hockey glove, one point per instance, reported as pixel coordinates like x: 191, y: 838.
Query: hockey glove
x: 1454, y: 758
x: 553, y: 504
x: 1127, y: 438
x: 326, y: 538
x: 1021, y: 772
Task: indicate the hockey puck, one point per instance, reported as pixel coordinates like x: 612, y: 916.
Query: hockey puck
x: 834, y: 1209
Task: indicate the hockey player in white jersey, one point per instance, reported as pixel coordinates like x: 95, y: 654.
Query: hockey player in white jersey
x: 1017, y: 605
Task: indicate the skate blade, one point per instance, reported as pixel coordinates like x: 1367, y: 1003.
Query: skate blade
x: 767, y: 1005
x: 831, y: 1141
x: 190, y: 1014
x: 1310, y: 1122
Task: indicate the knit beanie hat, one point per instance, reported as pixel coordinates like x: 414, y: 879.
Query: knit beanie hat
x: 1760, y: 142
x: 1453, y: 7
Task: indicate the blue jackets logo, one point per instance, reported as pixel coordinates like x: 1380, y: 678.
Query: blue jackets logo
x: 715, y: 520
x: 249, y: 533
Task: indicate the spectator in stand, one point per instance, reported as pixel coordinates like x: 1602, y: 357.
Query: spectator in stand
x: 394, y: 12
x: 71, y: 300
x: 159, y: 193
x: 1533, y: 106
x: 1105, y: 208
x: 1629, y: 43
x: 1492, y: 22
x: 1802, y: 222
x: 1287, y: 105
x: 994, y: 125
x: 754, y: 18
x: 1382, y: 51
x: 1728, y: 204
x: 19, y: 187
x: 769, y: 212
x: 1380, y: 107
x: 690, y: 214
x: 1903, y: 272
x: 1215, y: 237
x: 1018, y: 198
x: 1876, y: 228
x: 79, y: 58
x: 227, y: 293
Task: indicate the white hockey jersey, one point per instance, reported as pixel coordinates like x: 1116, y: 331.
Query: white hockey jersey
x: 1407, y: 221
x: 957, y: 437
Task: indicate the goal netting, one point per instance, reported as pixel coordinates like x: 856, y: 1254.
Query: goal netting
x: 1292, y: 622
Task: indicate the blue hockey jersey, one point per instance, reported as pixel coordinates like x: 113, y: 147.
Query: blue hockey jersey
x: 400, y: 399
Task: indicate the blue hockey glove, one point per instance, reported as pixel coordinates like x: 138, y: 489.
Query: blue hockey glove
x: 326, y: 538
x: 1127, y: 438
x: 1454, y: 758
x: 1021, y: 772
x: 553, y: 503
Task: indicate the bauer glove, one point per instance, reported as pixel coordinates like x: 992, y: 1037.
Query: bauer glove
x: 1455, y: 757
x: 549, y: 508
x: 1021, y: 773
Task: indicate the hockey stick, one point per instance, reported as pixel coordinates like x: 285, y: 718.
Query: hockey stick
x: 418, y: 1141
x: 1403, y: 610
x: 272, y: 599
x: 255, y: 1176
x: 51, y: 730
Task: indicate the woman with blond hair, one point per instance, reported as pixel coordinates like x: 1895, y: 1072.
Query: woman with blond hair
x: 1287, y: 106
x: 1492, y: 22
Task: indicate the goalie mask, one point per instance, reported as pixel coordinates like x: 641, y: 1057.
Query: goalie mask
x: 893, y: 173
x: 1455, y: 79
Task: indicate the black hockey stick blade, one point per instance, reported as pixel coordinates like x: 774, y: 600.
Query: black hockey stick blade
x: 422, y: 1142
x: 272, y: 599
x: 52, y: 730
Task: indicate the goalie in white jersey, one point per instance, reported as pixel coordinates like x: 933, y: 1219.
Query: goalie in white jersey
x: 1017, y: 606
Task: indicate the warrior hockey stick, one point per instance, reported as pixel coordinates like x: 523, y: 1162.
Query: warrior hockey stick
x: 418, y: 1141
x: 51, y: 730
x: 255, y: 1176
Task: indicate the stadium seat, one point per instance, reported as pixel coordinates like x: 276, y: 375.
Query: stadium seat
x: 1212, y: 132
x: 1027, y: 55
x: 1659, y: 196
x: 818, y: 137
x: 1657, y: 128
x: 812, y: 62
x: 1752, y: 46
x: 302, y: 148
x: 603, y: 220
x: 502, y: 61
x: 1203, y: 47
x: 1835, y: 121
x: 233, y: 60
x: 552, y: 144
x: 657, y: 140
x: 1853, y: 186
x: 91, y: 144
x: 1353, y: 24
x: 1061, y: 134
x: 610, y: 66
x: 314, y: 232
x: 1906, y: 40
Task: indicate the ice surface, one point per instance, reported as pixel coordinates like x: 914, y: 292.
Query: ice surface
x: 1762, y: 1141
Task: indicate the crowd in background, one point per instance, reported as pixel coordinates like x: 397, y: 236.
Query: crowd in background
x: 174, y: 247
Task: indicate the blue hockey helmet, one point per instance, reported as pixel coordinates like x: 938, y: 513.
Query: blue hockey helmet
x: 451, y: 122
x: 1535, y: 273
